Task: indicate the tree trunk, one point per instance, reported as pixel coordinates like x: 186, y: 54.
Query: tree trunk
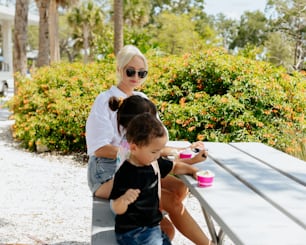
x: 118, y: 25
x: 43, y: 50
x: 53, y: 30
x: 299, y: 53
x: 20, y: 39
x: 86, y: 42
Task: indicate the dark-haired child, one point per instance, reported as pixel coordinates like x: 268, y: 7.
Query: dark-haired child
x: 173, y: 190
x: 136, y: 189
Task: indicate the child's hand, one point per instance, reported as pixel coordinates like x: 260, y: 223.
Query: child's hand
x: 193, y: 171
x: 130, y: 196
x: 120, y: 205
x: 194, y: 174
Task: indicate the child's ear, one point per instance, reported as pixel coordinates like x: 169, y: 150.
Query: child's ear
x: 133, y: 147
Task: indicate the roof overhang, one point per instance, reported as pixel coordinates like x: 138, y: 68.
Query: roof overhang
x: 8, y: 14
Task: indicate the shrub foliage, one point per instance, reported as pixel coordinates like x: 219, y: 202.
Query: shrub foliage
x: 208, y: 96
x: 51, y: 108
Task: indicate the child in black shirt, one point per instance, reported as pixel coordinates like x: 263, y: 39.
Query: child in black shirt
x: 136, y: 190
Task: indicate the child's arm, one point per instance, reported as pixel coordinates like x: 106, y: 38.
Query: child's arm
x: 180, y: 167
x: 120, y: 205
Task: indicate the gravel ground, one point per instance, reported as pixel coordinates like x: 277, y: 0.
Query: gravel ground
x: 45, y: 198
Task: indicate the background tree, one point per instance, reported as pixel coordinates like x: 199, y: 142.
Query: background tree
x: 32, y: 37
x: 43, y: 44
x: 252, y: 30
x: 48, y: 30
x: 226, y: 28
x: 118, y: 25
x: 175, y: 7
x: 136, y: 16
x: 176, y: 38
x: 20, y: 39
x: 67, y: 50
x: 204, y: 24
x: 279, y: 50
x: 290, y: 19
x: 136, y: 13
x: 143, y: 20
x: 53, y: 26
x: 85, y: 20
x: 53, y: 31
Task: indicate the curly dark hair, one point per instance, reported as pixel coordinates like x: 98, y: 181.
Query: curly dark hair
x: 143, y: 128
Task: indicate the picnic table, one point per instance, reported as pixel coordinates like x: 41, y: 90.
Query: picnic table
x: 258, y: 196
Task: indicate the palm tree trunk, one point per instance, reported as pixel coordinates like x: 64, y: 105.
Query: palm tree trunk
x: 53, y: 30
x: 86, y: 43
x: 20, y: 39
x: 118, y: 25
x: 43, y: 49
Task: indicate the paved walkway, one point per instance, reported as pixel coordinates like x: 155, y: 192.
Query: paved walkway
x: 4, y: 112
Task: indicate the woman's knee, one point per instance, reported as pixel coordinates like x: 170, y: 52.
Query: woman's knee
x: 181, y: 190
x: 171, y: 202
x: 176, y: 186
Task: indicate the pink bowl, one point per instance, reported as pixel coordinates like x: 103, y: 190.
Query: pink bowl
x: 205, y: 178
x: 185, y: 155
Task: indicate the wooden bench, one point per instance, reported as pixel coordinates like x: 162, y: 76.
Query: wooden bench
x: 103, y: 223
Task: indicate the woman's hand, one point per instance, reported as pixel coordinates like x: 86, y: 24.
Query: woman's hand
x: 199, y: 157
x: 197, y: 145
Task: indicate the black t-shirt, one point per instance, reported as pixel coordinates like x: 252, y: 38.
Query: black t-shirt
x: 145, y: 210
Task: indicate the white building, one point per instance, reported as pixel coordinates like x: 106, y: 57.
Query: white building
x: 7, y: 15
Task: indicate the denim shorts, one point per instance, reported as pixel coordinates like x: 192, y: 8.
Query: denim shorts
x: 143, y: 236
x: 99, y: 171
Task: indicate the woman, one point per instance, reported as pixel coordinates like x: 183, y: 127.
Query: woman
x: 103, y: 141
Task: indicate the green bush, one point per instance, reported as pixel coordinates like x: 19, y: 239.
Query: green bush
x: 209, y: 96
x: 213, y: 96
x: 51, y: 108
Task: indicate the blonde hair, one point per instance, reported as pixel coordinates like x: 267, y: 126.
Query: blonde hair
x: 125, y: 55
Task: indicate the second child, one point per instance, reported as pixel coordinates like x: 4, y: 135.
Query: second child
x: 136, y: 189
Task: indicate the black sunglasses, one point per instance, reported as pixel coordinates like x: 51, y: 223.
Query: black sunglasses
x: 131, y: 72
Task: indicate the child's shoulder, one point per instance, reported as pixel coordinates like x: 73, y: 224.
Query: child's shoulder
x: 164, y: 160
x: 165, y: 165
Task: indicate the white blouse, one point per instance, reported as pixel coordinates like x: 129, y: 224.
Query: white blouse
x: 101, y: 124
